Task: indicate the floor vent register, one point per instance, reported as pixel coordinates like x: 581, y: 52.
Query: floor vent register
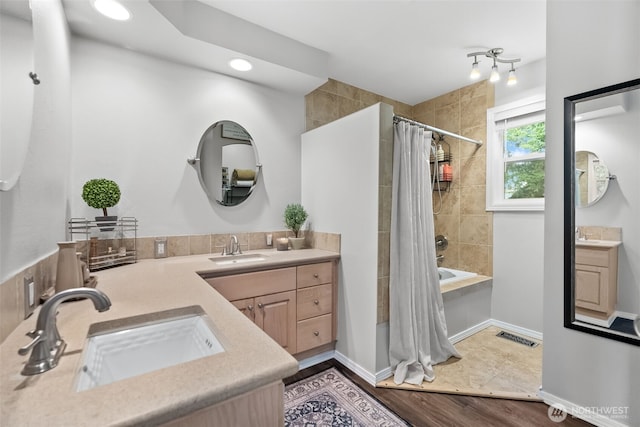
x: 516, y: 338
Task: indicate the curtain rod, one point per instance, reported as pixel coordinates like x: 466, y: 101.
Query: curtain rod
x: 442, y: 131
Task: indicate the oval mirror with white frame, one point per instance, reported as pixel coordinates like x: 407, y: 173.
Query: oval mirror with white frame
x: 592, y: 178
x: 227, y: 163
x: 602, y: 243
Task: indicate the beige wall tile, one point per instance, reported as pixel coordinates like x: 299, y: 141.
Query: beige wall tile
x: 472, y: 171
x: 258, y: 241
x: 448, y: 225
x: 475, y: 258
x: 347, y: 91
x: 475, y: 90
x: 450, y: 202
x: 451, y: 255
x: 348, y: 106
x: 451, y: 98
x: 474, y: 229
x: 384, y: 208
x: 425, y: 109
x: 9, y: 306
x: 323, y: 106
x: 473, y: 200
x: 368, y: 98
x: 383, y: 253
x: 468, y: 149
x: 178, y: 245
x: 612, y: 233
x: 473, y: 112
x: 199, y: 244
x: 145, y: 247
x: 383, y: 300
x: 448, y: 118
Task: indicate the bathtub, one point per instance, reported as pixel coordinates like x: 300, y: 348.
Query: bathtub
x: 449, y: 275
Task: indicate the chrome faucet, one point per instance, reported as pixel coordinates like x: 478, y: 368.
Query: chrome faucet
x: 234, y: 245
x: 47, y: 345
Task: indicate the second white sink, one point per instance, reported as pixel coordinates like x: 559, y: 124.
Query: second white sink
x: 237, y: 259
x: 129, y: 347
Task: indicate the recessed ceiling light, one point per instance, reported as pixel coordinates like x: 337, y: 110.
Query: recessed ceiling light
x: 240, y: 64
x: 112, y: 9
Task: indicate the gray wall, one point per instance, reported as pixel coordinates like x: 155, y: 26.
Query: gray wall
x: 34, y: 212
x: 579, y: 368
x: 518, y: 237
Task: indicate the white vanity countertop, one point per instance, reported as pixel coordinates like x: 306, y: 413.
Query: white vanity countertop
x: 251, y: 359
x: 597, y: 243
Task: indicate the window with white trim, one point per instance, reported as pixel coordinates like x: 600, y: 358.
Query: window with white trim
x: 515, y: 155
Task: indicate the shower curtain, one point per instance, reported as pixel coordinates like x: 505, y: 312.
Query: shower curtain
x: 417, y: 329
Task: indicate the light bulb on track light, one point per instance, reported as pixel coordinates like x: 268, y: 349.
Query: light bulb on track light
x: 495, y: 75
x: 475, y: 72
x: 512, y: 79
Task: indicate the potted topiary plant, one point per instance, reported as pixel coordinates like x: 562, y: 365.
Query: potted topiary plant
x: 102, y: 193
x: 294, y: 217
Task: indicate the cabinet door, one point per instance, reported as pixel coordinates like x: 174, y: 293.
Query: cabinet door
x: 276, y: 315
x: 591, y: 287
x: 246, y: 306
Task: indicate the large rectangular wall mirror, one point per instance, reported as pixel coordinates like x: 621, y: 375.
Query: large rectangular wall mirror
x: 602, y: 212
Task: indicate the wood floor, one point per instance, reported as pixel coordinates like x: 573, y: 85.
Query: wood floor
x: 423, y: 409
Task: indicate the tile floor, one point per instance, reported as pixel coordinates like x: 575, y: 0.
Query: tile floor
x: 490, y: 366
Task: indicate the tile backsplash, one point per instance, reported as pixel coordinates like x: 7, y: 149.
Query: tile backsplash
x: 12, y: 310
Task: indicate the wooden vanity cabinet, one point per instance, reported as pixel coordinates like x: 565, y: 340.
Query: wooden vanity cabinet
x: 596, y: 281
x: 295, y: 305
x: 268, y: 298
x: 315, y: 305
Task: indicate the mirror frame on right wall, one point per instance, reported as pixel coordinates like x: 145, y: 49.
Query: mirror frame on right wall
x: 569, y: 210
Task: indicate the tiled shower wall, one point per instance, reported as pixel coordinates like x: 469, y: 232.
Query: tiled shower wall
x: 43, y: 272
x: 461, y: 210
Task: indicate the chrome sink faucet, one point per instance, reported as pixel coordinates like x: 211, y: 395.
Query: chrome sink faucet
x: 234, y: 245
x: 47, y: 345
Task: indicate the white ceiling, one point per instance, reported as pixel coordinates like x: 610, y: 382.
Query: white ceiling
x: 407, y: 50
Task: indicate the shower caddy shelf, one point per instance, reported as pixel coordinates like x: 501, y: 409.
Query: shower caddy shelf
x: 101, y: 244
x: 442, y: 185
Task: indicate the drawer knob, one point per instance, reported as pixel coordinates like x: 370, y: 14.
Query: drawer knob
x: 260, y: 305
x: 250, y: 307
x: 315, y: 275
x: 316, y: 333
x: 316, y: 302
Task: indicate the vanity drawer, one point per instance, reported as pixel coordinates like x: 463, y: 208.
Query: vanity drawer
x: 314, y: 332
x: 589, y: 256
x: 249, y: 285
x: 315, y: 301
x: 314, y: 274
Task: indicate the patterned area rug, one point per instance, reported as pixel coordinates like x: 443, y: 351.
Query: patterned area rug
x: 330, y: 399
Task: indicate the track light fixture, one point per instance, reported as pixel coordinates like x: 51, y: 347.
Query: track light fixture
x: 495, y: 75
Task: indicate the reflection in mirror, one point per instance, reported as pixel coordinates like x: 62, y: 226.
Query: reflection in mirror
x: 227, y: 163
x: 592, y: 178
x: 16, y: 102
x: 602, y: 243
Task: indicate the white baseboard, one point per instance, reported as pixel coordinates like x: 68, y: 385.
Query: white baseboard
x: 468, y: 332
x: 314, y: 360
x: 385, y: 373
x: 625, y: 315
x: 359, y: 370
x: 581, y: 412
x: 598, y: 322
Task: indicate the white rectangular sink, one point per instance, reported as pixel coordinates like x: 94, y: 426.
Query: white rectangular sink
x: 237, y: 259
x: 125, y: 348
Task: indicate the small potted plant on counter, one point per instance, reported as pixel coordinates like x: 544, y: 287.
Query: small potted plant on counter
x: 294, y: 217
x: 102, y: 193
